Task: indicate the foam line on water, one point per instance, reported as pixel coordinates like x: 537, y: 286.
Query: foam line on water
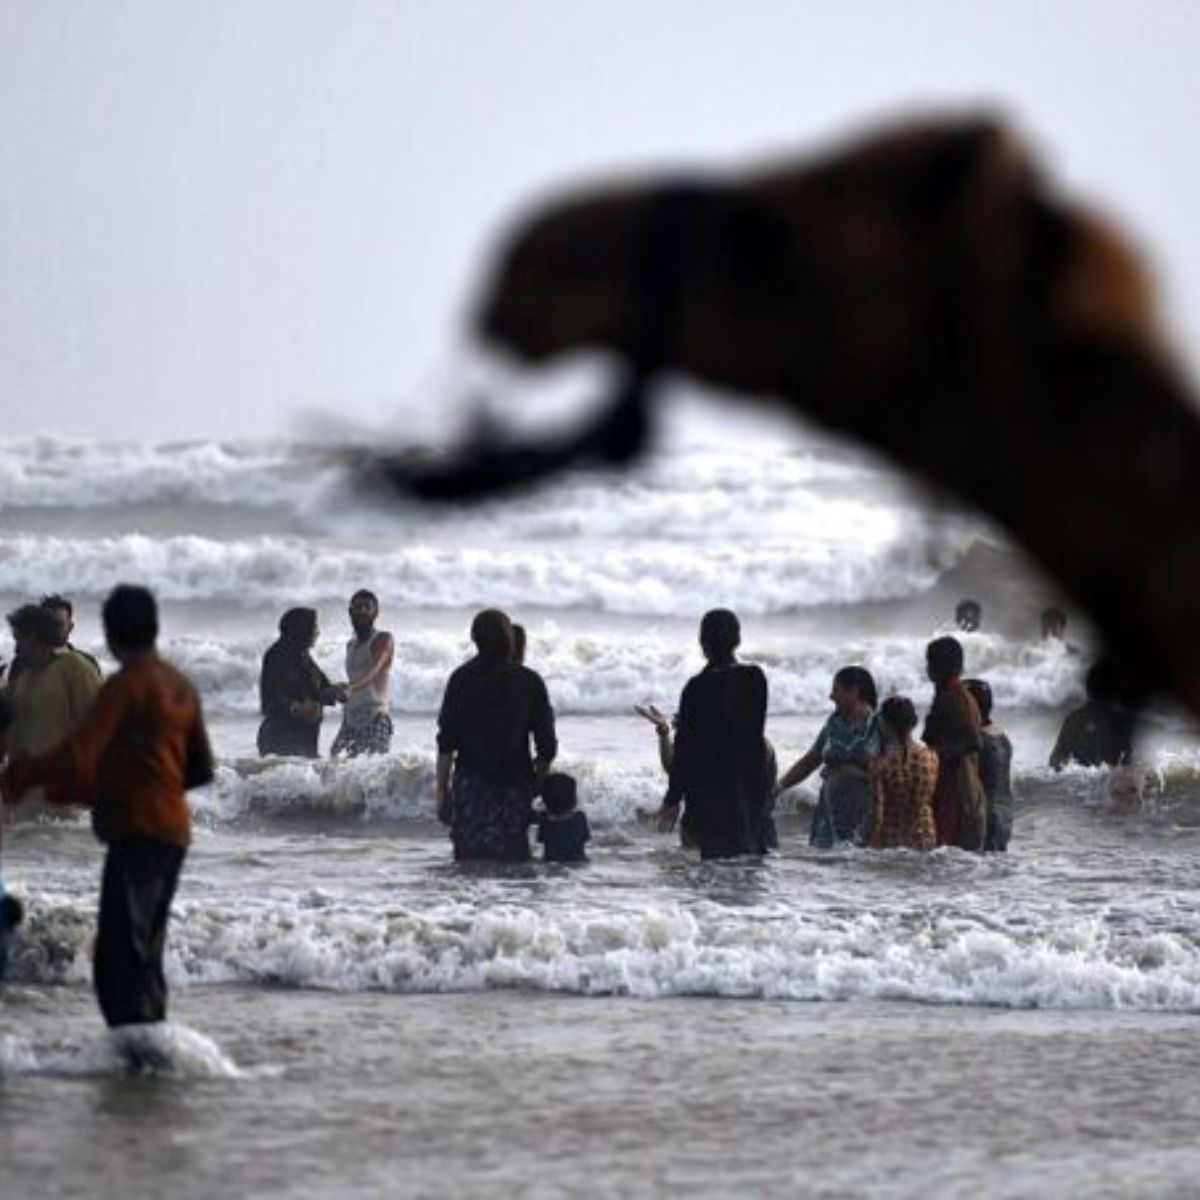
x: 655, y: 578
x: 599, y: 673
x: 962, y: 958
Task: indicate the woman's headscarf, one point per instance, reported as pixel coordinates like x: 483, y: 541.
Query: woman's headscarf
x: 298, y: 626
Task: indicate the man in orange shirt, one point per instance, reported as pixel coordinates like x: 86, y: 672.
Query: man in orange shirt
x: 132, y: 759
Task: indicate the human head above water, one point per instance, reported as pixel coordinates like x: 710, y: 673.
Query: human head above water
x: 35, y: 633
x: 944, y: 659
x: 898, y: 717
x: 968, y: 616
x: 981, y: 693
x: 491, y: 631
x: 130, y: 618
x: 853, y: 684
x: 64, y: 614
x: 364, y: 609
x: 299, y: 626
x: 1054, y: 623
x: 720, y: 635
x: 558, y: 794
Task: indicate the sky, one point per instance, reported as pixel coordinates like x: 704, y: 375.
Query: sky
x: 219, y: 216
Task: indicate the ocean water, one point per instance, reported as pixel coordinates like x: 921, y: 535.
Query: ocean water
x: 355, y: 1015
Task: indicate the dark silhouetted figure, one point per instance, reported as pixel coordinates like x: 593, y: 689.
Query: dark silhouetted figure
x: 1054, y: 624
x: 952, y: 729
x: 719, y: 774
x: 968, y: 616
x: 140, y: 748
x: 1101, y: 732
x: 294, y: 691
x: 486, y: 779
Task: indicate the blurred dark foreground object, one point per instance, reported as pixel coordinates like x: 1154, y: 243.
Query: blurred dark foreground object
x: 924, y: 291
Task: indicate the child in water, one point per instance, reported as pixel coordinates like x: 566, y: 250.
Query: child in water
x: 563, y: 827
x: 903, y: 777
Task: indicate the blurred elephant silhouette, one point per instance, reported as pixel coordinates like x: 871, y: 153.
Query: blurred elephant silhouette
x: 925, y: 290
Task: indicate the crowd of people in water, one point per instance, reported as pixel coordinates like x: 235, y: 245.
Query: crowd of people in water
x: 132, y: 745
x: 880, y: 786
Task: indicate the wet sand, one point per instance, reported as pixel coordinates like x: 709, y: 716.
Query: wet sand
x: 508, y: 1093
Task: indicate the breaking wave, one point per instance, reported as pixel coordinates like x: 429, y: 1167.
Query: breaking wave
x: 706, y: 949
x: 607, y: 672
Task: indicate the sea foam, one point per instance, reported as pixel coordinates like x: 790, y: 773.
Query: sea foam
x: 667, y: 949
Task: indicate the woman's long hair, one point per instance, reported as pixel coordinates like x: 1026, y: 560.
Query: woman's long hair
x: 862, y: 681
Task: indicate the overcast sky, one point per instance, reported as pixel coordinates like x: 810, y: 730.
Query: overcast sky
x: 217, y: 214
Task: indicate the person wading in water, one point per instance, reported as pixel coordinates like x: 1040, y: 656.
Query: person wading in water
x: 140, y: 748
x: 719, y: 775
x: 366, y: 722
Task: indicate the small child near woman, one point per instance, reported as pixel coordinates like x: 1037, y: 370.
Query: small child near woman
x: 562, y: 829
x: 903, y: 779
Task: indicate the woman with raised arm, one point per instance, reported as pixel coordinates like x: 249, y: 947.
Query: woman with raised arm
x: 719, y: 780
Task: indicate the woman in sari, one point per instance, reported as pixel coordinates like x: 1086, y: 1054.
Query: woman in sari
x: 844, y: 748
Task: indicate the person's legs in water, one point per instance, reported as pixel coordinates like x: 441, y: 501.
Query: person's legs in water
x: 820, y: 833
x: 138, y: 885
x: 999, y: 827
x: 373, y: 738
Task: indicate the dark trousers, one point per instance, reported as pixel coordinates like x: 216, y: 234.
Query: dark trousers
x: 135, y: 901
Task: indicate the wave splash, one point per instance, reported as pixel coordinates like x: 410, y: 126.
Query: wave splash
x: 667, y: 950
x: 603, y: 673
x: 163, y: 1049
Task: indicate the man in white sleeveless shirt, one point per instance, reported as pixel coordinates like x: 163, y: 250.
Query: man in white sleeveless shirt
x: 366, y: 722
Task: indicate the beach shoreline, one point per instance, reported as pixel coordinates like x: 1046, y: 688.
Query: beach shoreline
x: 540, y: 1095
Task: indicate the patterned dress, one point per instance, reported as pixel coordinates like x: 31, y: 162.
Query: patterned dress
x: 902, y: 786
x: 491, y: 818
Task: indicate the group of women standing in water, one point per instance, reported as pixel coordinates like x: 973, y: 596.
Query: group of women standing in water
x: 879, y: 786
